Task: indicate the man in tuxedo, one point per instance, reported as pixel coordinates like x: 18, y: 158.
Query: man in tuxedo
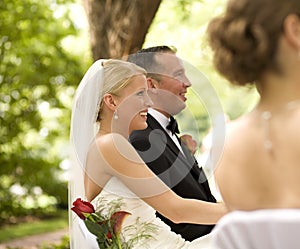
x: 158, y: 145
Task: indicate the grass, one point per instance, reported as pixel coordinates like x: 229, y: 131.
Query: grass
x: 32, y: 228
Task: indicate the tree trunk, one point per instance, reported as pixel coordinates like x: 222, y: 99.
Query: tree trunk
x: 118, y: 27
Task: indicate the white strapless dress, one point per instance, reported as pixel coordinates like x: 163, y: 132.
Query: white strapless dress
x: 164, y: 238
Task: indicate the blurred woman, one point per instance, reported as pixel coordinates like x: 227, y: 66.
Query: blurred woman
x: 257, y: 42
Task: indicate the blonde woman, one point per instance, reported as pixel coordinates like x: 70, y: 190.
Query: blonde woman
x: 113, y: 94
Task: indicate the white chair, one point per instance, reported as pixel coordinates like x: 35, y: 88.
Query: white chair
x: 260, y: 229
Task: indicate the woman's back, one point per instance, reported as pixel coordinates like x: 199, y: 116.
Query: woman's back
x: 260, y: 167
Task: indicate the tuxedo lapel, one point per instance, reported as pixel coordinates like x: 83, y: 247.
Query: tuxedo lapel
x: 187, y: 153
x: 196, y: 170
x: 154, y: 124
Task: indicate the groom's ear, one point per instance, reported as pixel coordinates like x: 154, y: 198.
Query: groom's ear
x: 151, y: 83
x: 109, y: 101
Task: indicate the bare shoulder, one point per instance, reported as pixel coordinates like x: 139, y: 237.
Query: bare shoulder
x: 290, y: 129
x: 234, y: 158
x: 111, y: 142
x: 116, y: 147
x: 107, y: 141
x: 238, y: 133
x: 240, y: 136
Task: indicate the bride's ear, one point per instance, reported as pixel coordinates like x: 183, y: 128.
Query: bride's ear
x: 109, y: 101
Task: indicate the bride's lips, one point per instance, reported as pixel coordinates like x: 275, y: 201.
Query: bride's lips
x: 144, y: 114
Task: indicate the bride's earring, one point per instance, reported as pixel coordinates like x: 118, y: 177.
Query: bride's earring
x: 116, y: 115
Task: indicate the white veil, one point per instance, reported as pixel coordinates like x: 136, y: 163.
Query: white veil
x: 83, y: 130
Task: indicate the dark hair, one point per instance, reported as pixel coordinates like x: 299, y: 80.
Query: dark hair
x: 245, y: 39
x: 145, y: 58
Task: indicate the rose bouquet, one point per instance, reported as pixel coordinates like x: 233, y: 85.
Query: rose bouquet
x: 106, y: 224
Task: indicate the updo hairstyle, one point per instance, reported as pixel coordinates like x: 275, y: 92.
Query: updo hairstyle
x: 245, y: 39
x: 117, y: 75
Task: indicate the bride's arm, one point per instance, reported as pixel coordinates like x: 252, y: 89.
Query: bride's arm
x: 122, y: 161
x: 181, y: 210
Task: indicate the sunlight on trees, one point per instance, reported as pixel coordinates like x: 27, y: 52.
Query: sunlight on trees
x: 37, y: 83
x: 44, y: 52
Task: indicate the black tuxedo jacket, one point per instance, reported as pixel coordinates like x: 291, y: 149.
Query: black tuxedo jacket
x: 180, y: 172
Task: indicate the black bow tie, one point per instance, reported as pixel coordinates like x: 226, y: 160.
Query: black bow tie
x: 173, y: 126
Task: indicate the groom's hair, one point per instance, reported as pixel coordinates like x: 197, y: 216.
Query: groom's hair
x: 146, y: 59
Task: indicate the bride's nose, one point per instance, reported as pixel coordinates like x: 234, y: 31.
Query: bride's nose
x: 147, y: 101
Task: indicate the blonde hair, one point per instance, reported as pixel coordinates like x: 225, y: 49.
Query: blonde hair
x: 117, y: 75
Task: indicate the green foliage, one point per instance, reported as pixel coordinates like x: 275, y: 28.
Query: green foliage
x: 64, y: 244
x: 33, y: 227
x: 40, y: 67
x: 37, y: 81
x: 184, y: 6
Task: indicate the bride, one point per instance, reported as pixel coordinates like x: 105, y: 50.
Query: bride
x: 112, y: 101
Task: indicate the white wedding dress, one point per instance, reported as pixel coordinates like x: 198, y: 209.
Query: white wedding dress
x: 163, y: 238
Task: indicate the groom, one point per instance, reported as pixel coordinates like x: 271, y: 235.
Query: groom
x: 158, y: 145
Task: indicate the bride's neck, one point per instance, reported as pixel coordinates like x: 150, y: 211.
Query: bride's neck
x: 107, y: 128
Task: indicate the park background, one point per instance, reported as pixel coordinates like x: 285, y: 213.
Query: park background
x: 45, y: 49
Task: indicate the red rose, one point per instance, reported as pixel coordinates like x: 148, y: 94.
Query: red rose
x: 81, y: 207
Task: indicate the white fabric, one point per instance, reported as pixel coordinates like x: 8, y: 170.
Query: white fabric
x: 89, y: 240
x: 85, y: 108
x: 164, y: 239
x: 260, y: 229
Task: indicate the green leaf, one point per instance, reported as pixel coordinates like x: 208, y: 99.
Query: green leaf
x: 96, y: 229
x: 38, y: 77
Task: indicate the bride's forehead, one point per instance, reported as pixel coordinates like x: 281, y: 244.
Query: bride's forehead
x: 137, y: 81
